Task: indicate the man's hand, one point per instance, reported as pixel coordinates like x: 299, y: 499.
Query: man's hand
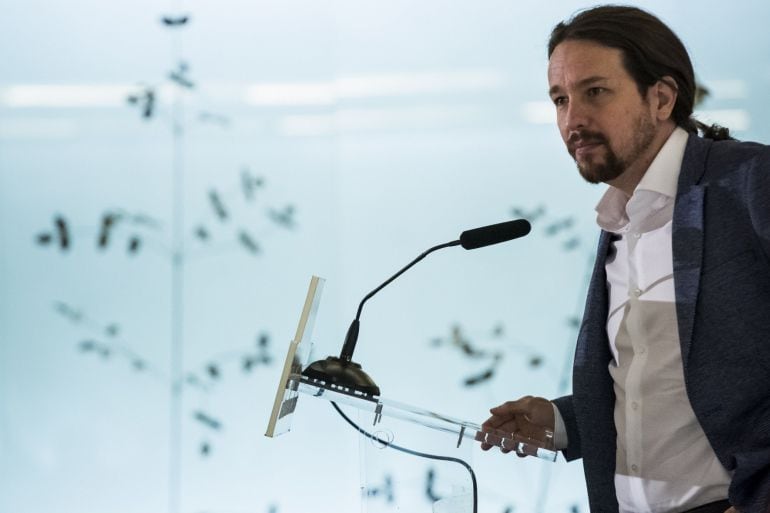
x: 528, y: 417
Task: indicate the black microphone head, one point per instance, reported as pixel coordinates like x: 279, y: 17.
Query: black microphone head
x: 494, y: 233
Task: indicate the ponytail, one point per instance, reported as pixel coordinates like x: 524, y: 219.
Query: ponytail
x: 714, y: 132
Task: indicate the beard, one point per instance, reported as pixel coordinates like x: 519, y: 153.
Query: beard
x: 614, y: 164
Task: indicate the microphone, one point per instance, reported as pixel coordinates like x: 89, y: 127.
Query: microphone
x: 494, y: 234
x: 345, y: 375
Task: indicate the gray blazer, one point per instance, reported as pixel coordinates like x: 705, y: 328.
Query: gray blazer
x: 721, y: 251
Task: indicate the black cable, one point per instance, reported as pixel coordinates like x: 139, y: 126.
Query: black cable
x: 414, y: 453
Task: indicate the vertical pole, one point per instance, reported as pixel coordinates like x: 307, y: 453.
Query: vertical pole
x: 177, y: 289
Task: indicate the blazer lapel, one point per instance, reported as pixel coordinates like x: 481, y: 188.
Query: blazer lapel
x: 593, y: 393
x: 687, y: 238
x: 593, y: 327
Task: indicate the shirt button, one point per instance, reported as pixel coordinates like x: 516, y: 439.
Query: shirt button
x: 637, y: 235
x: 635, y: 405
x: 642, y: 350
x: 634, y: 468
x: 637, y: 292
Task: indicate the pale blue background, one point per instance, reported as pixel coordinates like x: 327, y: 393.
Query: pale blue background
x: 450, y: 130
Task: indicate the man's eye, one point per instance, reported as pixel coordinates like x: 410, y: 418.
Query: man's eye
x: 596, y: 91
x: 560, y: 100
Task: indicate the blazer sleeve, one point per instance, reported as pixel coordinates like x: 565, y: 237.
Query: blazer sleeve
x: 750, y: 487
x: 567, y: 412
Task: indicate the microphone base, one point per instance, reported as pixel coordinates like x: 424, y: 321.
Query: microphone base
x: 348, y: 376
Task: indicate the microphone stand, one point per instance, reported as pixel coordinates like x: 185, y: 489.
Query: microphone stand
x: 343, y: 373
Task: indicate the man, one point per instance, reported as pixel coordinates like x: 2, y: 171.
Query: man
x: 670, y: 409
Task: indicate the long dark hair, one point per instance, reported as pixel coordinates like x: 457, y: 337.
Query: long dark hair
x: 650, y: 50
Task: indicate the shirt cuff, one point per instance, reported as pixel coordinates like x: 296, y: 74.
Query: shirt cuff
x: 559, y: 430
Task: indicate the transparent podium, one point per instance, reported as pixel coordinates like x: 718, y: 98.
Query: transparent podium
x: 384, y: 425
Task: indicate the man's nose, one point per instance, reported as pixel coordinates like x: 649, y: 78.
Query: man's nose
x: 575, y: 116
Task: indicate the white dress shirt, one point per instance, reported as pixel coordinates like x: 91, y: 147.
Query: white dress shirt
x: 664, y: 462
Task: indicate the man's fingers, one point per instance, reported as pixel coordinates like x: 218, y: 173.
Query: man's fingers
x: 483, y: 437
x: 500, y: 424
x: 522, y: 419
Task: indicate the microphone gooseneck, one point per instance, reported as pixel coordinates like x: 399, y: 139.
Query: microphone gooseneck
x: 352, y: 336
x: 345, y: 374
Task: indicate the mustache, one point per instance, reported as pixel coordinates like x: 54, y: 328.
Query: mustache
x: 585, y: 137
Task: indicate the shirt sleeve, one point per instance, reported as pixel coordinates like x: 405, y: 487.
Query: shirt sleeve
x: 560, y: 439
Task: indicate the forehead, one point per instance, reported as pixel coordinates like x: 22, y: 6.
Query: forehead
x: 573, y: 61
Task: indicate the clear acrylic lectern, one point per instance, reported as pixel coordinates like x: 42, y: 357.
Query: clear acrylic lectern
x: 372, y: 409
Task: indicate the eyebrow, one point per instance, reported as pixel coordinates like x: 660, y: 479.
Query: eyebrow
x: 581, y: 83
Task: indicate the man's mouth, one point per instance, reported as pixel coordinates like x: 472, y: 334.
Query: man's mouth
x: 583, y: 148
x: 586, y: 148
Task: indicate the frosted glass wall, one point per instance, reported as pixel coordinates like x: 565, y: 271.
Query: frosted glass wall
x: 172, y: 175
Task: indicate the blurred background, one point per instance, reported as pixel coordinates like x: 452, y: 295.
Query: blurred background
x: 172, y: 175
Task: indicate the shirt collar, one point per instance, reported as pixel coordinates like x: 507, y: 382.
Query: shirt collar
x: 660, y: 178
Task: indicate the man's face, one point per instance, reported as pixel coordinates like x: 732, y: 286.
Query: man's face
x: 607, y: 125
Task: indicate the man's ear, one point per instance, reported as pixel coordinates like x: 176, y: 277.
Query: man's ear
x: 664, y: 93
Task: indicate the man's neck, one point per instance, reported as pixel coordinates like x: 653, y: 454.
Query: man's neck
x: 631, y: 177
